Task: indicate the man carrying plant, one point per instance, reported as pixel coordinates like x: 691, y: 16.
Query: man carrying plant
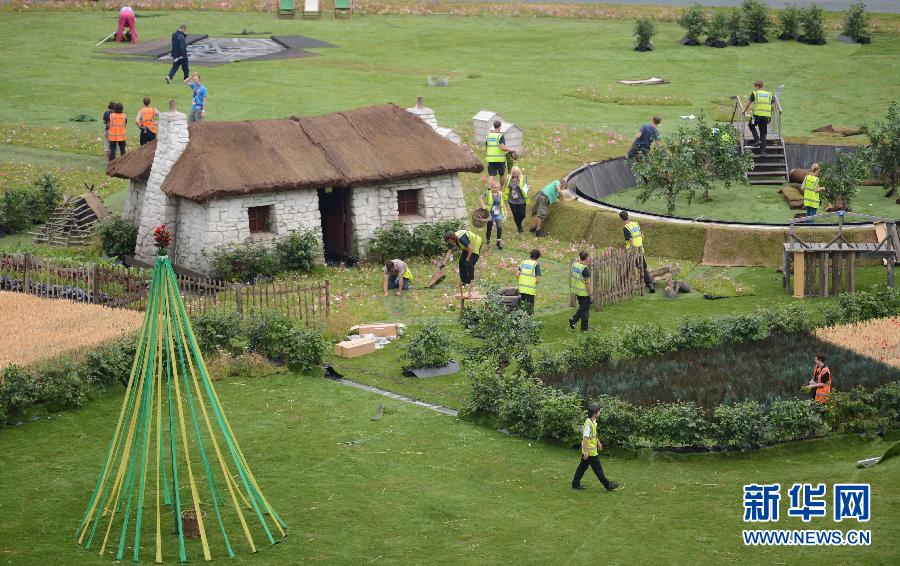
x: 495, y: 154
x: 529, y: 278
x: 760, y: 108
x: 542, y: 202
x: 634, y: 238
x: 580, y: 286
x: 469, y: 245
x: 821, y: 379
x: 396, y: 276
x: 644, y: 139
x: 590, y: 452
x: 811, y: 190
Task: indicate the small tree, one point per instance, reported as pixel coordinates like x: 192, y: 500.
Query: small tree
x: 690, y: 161
x: 717, y: 30
x: 813, y: 17
x: 856, y: 23
x: 693, y: 20
x: 644, y: 30
x: 756, y: 16
x: 884, y: 146
x: 789, y: 22
x: 507, y: 334
x: 737, y: 29
x: 841, y: 179
x: 429, y: 347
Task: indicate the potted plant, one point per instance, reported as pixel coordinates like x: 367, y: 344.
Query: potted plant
x: 694, y: 22
x: 644, y: 30
x: 428, y: 353
x: 856, y: 25
x: 789, y: 23
x: 717, y: 30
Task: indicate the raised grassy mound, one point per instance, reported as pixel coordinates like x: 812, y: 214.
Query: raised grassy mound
x: 46, y: 328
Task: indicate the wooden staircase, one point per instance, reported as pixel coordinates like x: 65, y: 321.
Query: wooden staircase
x: 769, y: 168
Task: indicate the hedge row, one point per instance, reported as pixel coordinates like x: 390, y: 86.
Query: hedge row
x: 64, y: 384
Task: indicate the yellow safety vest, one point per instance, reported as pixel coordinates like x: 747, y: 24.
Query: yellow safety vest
x: 527, y: 278
x: 474, y: 240
x: 494, y: 153
x: 522, y: 184
x: 577, y: 280
x: 488, y: 198
x: 637, y: 239
x: 762, y: 103
x: 592, y: 439
x: 810, y: 196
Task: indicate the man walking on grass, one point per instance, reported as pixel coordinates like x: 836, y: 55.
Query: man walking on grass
x: 590, y: 452
x: 580, y: 285
x: 179, y: 53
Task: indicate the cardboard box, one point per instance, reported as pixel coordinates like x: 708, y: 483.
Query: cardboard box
x: 387, y: 330
x: 354, y: 348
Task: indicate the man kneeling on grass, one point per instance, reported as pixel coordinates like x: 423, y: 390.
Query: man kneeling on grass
x: 590, y: 452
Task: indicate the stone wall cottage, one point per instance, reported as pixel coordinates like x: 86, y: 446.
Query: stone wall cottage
x: 344, y: 175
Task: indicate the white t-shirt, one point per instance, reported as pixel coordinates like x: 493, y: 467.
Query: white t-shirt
x: 587, y: 430
x: 400, y: 266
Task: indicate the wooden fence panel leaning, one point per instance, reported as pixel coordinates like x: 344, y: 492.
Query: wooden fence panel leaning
x: 616, y: 275
x: 122, y: 287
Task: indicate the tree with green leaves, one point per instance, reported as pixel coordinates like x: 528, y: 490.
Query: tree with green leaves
x: 644, y: 30
x: 840, y: 180
x: 693, y: 20
x: 856, y: 23
x: 689, y: 162
x: 883, y: 150
x: 789, y: 22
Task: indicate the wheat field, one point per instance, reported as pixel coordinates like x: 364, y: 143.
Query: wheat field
x: 878, y: 339
x: 38, y: 328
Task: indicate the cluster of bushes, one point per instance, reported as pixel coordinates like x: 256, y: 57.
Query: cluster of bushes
x: 803, y: 24
x: 22, y: 208
x: 247, y: 261
x: 426, y: 240
x: 726, y: 27
x: 267, y: 333
x: 118, y: 238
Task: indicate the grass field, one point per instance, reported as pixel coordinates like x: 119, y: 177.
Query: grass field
x: 418, y: 486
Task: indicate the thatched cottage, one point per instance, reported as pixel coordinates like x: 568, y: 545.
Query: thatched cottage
x: 344, y: 175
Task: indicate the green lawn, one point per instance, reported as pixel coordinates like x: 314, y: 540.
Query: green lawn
x: 749, y: 203
x: 417, y: 485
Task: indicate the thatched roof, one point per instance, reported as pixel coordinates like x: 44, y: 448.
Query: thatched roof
x: 134, y: 165
x: 373, y: 145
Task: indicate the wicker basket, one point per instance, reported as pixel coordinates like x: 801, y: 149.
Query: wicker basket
x: 189, y: 523
x: 480, y: 217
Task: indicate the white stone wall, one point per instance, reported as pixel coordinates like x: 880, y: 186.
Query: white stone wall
x: 373, y: 207
x: 134, y: 202
x: 191, y: 231
x: 158, y: 208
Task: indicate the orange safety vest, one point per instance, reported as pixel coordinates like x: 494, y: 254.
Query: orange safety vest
x: 823, y: 392
x: 116, y: 127
x: 149, y: 118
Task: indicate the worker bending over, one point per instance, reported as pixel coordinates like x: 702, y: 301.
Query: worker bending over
x: 469, y: 245
x: 529, y: 279
x: 644, y: 139
x: 580, y: 286
x: 590, y: 452
x: 811, y: 190
x: 542, y: 202
x: 635, y: 239
x: 397, y: 276
x: 821, y: 379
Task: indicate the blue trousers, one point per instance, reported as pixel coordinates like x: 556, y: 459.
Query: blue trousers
x: 810, y: 211
x: 393, y: 284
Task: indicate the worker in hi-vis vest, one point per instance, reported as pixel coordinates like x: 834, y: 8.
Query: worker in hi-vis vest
x: 590, y: 452
x: 495, y: 153
x: 635, y: 239
x: 821, y: 380
x: 580, y: 286
x: 762, y: 102
x: 529, y: 279
x: 811, y: 189
x: 469, y: 245
x: 116, y: 133
x: 148, y: 122
x: 397, y: 276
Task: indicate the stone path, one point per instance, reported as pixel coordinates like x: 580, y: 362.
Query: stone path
x: 398, y: 397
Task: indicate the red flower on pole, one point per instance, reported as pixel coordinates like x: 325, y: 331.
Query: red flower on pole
x: 162, y: 237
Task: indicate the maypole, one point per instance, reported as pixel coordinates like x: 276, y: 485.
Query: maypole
x: 172, y: 437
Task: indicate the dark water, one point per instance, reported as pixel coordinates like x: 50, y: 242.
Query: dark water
x: 774, y: 368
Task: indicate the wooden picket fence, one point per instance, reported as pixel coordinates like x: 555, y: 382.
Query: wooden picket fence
x: 124, y: 287
x: 616, y: 275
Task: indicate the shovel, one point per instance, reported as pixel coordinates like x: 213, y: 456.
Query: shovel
x: 439, y: 275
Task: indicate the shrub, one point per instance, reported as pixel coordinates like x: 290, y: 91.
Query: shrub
x: 856, y: 22
x: 485, y: 391
x: 698, y: 333
x: 812, y: 18
x: 863, y: 305
x: 428, y: 239
x: 674, y: 424
x: 429, y: 347
x: 647, y: 340
x: 520, y: 405
x: 717, y: 30
x: 832, y: 314
x: 17, y: 389
x: 3, y: 416
x: 109, y: 363
x: 302, y: 348
x: 589, y: 350
x: 887, y: 401
x: 561, y: 415
x: 395, y: 241
x: 298, y: 251
x: 243, y: 261
x: 789, y: 22
x: 277, y: 337
x: 506, y: 334
x: 219, y: 328
x: 841, y: 178
x: 693, y: 20
x: 60, y: 386
x: 644, y: 30
x: 737, y: 328
x: 117, y: 237
x: 793, y: 419
x: 552, y: 361
x: 740, y: 425
x: 737, y: 29
x: 43, y: 197
x: 617, y: 423
x: 15, y: 215
x: 854, y: 411
x: 790, y: 319
x: 756, y: 18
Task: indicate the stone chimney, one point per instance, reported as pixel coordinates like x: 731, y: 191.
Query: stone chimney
x: 158, y: 208
x: 424, y: 113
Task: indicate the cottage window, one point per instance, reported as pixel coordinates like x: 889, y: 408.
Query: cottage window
x: 260, y: 218
x: 408, y: 202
